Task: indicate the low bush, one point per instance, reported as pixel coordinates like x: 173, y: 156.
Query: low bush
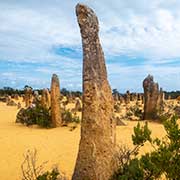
x: 41, y: 116
x: 35, y: 115
x: 164, y: 160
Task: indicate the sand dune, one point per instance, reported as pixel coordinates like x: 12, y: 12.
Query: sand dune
x: 57, y: 146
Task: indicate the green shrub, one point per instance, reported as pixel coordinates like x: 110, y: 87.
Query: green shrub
x: 35, y: 115
x: 42, y: 117
x: 141, y: 135
x: 26, y: 116
x: 52, y: 175
x: 164, y: 160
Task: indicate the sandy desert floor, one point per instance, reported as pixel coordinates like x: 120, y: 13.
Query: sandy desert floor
x: 57, y: 146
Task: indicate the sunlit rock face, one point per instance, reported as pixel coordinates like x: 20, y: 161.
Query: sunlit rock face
x: 97, y: 144
x: 55, y: 102
x: 151, y: 98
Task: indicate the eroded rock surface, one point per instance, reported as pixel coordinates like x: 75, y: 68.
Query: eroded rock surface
x: 55, y: 102
x: 151, y: 95
x: 96, y: 149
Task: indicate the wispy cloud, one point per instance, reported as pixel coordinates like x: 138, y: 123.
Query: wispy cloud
x: 138, y: 37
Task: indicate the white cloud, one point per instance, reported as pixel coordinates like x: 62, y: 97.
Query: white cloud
x: 30, y: 28
x: 135, y: 28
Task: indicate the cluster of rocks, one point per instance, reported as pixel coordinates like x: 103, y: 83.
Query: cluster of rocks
x: 152, y: 98
x: 50, y: 100
x: 11, y: 100
x: 128, y: 97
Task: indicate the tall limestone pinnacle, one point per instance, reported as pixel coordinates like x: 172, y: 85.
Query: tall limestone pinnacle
x: 96, y: 149
x: 55, y: 101
x: 151, y: 95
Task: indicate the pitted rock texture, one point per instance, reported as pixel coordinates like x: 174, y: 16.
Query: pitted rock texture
x: 97, y: 145
x: 151, y: 95
x: 55, y: 102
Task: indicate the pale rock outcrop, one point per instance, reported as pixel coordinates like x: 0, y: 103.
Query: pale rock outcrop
x: 28, y: 97
x: 97, y: 144
x: 46, y: 99
x: 55, y: 102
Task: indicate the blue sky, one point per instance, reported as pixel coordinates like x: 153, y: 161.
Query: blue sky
x: 139, y: 37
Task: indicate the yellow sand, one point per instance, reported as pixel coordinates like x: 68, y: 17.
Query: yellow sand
x: 57, y: 146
